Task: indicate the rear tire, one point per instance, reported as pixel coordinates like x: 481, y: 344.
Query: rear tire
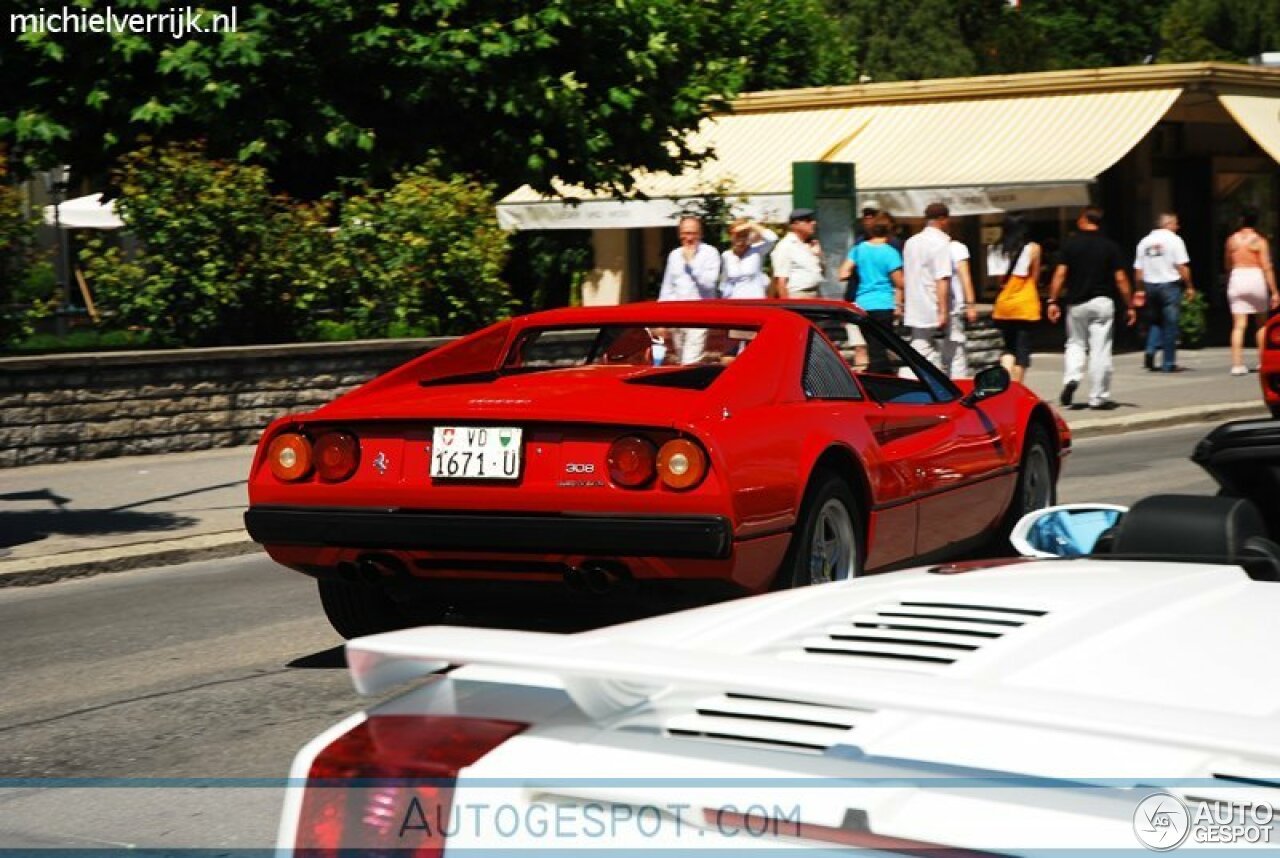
x: 1037, y: 486
x: 827, y: 542
x: 356, y: 609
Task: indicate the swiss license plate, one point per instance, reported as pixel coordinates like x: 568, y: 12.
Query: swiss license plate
x: 475, y: 452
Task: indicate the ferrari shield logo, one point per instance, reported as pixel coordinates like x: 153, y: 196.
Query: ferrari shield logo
x: 504, y: 437
x: 381, y: 462
x: 447, y: 435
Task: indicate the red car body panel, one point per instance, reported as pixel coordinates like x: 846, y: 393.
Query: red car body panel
x: 1269, y: 369
x: 929, y: 475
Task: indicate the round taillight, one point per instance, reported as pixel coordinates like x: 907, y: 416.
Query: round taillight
x: 290, y: 457
x: 681, y: 464
x: 1273, y: 336
x: 336, y: 455
x: 632, y: 461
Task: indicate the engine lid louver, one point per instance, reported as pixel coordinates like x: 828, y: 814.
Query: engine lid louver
x: 765, y: 721
x: 911, y: 635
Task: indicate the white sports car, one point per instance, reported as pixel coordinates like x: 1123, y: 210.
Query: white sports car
x: 1113, y: 701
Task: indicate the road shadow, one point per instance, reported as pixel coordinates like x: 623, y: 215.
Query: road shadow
x: 328, y: 659
x: 22, y: 527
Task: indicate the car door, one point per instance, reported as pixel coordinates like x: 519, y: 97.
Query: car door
x: 953, y: 455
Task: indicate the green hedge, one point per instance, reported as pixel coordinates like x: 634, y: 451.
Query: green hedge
x: 224, y: 260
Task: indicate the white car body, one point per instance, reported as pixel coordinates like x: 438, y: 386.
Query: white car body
x: 1006, y: 708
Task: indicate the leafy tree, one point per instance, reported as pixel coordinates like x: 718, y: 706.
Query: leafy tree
x: 512, y: 90
x: 19, y: 265
x: 1098, y: 33
x: 221, y: 256
x: 1198, y: 30
x: 423, y: 258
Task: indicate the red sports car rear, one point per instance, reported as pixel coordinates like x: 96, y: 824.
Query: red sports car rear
x: 698, y: 450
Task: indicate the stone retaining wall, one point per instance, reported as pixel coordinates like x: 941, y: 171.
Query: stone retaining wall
x: 73, y: 407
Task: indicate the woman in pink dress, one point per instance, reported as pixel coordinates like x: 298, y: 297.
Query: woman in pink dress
x: 1251, y: 284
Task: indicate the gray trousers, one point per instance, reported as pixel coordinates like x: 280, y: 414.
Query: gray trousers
x: 1089, y: 331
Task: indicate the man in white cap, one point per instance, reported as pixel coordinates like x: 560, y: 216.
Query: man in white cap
x: 797, y: 259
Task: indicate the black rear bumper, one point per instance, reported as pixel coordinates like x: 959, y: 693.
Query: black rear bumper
x: 686, y: 536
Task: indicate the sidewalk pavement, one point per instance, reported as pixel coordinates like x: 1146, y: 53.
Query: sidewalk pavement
x: 81, y: 518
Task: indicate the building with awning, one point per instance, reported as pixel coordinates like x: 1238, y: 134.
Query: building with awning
x: 1200, y: 138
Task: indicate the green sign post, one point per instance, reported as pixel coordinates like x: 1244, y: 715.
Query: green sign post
x: 828, y: 188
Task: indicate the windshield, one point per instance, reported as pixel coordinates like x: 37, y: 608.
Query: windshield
x: 628, y: 345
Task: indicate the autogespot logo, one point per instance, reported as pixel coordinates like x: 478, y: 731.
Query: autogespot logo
x: 1161, y: 822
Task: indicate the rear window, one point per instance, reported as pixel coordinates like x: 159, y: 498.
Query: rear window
x: 626, y: 345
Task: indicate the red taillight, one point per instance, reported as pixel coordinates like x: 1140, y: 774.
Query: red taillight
x: 289, y: 456
x: 632, y: 461
x: 681, y: 464
x: 404, y: 768
x: 336, y: 456
x: 1273, y: 336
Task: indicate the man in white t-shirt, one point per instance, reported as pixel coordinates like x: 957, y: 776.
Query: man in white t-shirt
x: 797, y: 259
x: 1161, y: 269
x: 955, y: 358
x: 927, y: 273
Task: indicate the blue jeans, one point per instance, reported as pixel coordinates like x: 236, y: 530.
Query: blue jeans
x: 1163, y: 302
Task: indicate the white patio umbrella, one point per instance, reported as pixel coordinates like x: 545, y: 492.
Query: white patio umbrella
x: 85, y: 213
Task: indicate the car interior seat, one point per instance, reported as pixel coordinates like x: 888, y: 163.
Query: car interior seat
x: 1190, y: 527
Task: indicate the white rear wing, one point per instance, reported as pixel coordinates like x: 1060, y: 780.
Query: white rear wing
x: 604, y: 677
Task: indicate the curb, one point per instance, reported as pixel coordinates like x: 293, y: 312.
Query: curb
x: 46, y: 569
x: 1166, y: 417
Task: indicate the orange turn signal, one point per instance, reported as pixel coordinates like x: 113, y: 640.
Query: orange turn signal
x: 336, y: 456
x: 681, y: 464
x: 289, y: 456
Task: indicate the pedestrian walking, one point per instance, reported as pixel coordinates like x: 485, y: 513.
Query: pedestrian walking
x: 1089, y: 279
x: 797, y: 259
x: 1161, y: 270
x: 1251, y: 284
x: 877, y: 266
x: 742, y: 265
x: 1016, y: 260
x: 926, y: 272
x: 692, y: 274
x: 964, y: 312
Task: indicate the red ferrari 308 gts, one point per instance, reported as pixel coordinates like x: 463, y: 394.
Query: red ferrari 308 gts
x: 1269, y: 370
x: 705, y: 449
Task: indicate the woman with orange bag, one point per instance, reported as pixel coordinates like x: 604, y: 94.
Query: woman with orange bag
x: 1016, y: 260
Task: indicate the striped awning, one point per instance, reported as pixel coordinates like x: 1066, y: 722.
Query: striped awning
x: 978, y: 155
x: 1259, y: 116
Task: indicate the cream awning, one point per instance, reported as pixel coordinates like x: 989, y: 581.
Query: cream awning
x: 1259, y: 116
x: 979, y: 155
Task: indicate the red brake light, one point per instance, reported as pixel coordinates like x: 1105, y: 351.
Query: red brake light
x: 406, y: 766
x: 681, y: 464
x: 632, y: 461
x: 336, y: 456
x: 289, y: 456
x: 1273, y: 336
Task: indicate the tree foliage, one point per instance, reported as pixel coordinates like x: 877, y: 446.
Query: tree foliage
x: 511, y: 90
x: 224, y: 260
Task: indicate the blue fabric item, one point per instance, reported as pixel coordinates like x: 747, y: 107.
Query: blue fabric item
x: 875, y: 262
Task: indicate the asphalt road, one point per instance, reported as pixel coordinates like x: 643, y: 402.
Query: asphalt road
x: 223, y: 669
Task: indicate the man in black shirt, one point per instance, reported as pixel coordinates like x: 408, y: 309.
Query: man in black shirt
x: 1093, y: 272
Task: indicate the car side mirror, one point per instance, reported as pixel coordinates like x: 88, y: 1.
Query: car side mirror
x: 1066, y: 530
x: 989, y: 382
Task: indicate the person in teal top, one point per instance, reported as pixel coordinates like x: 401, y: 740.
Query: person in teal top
x: 878, y: 289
